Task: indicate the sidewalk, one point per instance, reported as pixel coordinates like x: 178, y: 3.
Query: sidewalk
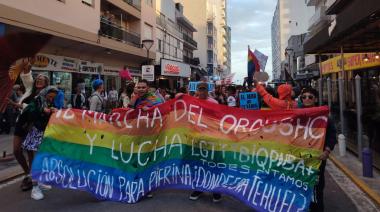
x: 8, y: 168
x: 352, y: 167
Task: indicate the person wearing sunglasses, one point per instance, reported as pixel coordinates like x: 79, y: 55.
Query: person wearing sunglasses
x: 308, y: 98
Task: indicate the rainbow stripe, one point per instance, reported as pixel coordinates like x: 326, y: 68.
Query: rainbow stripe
x: 120, y: 158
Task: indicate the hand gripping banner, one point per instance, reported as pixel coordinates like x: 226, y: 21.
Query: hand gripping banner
x: 267, y: 159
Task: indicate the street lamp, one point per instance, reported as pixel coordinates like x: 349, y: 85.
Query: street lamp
x: 147, y: 45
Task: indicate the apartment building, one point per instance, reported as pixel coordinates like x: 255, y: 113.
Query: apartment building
x: 91, y: 38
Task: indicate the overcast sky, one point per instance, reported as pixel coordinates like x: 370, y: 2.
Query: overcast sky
x: 250, y: 22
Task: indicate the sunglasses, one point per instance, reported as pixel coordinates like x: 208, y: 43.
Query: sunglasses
x: 308, y: 97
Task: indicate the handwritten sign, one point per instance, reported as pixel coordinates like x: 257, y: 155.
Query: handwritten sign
x: 267, y: 160
x: 193, y: 86
x: 249, y: 101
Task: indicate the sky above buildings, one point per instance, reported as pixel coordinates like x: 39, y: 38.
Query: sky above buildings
x: 250, y: 22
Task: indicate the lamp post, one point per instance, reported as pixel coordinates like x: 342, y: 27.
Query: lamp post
x: 147, y: 45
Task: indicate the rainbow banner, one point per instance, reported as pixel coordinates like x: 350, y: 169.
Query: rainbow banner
x: 267, y: 159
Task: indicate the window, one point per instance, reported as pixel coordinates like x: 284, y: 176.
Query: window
x: 159, y: 45
x: 149, y: 2
x: 148, y: 32
x: 178, y: 44
x: 210, y: 58
x: 175, y: 52
x: 88, y: 2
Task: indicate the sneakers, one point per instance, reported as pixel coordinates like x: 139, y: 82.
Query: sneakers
x: 216, y: 197
x: 26, y: 184
x: 37, y: 193
x: 44, y: 187
x: 195, y: 195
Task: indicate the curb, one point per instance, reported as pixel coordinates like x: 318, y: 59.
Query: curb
x: 360, y: 183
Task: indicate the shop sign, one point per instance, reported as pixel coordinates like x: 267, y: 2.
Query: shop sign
x: 351, y: 62
x: 111, y: 71
x: 148, y: 73
x: 90, y: 68
x: 134, y: 72
x: 69, y: 64
x: 46, y: 62
x: 173, y: 68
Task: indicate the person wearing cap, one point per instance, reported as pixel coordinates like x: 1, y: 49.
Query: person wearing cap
x: 202, y: 93
x: 96, y: 99
x: 284, y: 102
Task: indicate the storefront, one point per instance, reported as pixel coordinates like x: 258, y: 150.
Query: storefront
x: 367, y: 67
x: 66, y: 73
x: 173, y: 74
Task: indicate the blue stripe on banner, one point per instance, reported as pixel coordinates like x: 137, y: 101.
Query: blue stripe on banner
x: 113, y: 184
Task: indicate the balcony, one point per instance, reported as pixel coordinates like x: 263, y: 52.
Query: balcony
x: 190, y: 61
x: 134, y: 3
x: 116, y: 32
x: 319, y: 19
x: 169, y: 26
x: 190, y: 40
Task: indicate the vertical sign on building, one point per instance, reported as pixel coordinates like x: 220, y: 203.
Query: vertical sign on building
x: 148, y: 72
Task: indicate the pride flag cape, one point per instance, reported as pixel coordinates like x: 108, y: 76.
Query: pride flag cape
x: 253, y: 65
x: 266, y: 159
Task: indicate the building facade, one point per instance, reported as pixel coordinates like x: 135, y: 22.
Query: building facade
x: 210, y: 19
x: 290, y: 18
x: 96, y: 38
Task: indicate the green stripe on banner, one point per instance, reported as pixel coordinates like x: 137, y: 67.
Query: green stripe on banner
x: 138, y: 162
x: 104, y: 139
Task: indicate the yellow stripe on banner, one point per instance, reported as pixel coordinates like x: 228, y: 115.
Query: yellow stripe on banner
x: 172, y: 136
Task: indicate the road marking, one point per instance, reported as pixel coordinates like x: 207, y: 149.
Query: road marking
x: 360, y: 199
x: 11, y: 182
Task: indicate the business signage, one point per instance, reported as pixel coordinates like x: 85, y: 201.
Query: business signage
x: 148, y: 73
x: 86, y: 67
x: 174, y: 68
x: 351, y: 62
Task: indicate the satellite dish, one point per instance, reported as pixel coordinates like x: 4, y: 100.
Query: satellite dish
x: 261, y: 76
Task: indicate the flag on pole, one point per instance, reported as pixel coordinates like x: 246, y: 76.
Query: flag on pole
x: 262, y: 58
x: 253, y: 65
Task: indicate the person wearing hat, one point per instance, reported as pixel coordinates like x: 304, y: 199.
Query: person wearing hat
x: 96, y: 99
x: 202, y: 93
x: 283, y: 102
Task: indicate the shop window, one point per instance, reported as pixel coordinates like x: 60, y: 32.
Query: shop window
x: 148, y: 31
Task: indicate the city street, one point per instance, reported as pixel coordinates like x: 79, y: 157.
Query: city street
x: 13, y: 199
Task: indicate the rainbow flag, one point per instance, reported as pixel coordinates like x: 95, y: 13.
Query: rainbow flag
x: 253, y: 65
x: 266, y: 159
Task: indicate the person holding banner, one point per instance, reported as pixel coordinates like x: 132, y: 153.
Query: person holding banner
x: 309, y: 99
x: 143, y: 99
x: 284, y: 101
x: 202, y: 93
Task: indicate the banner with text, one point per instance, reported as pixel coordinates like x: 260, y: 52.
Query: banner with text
x: 267, y: 159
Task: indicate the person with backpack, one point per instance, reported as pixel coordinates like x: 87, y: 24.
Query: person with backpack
x: 96, y: 100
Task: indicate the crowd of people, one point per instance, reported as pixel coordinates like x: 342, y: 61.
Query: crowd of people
x: 35, y: 100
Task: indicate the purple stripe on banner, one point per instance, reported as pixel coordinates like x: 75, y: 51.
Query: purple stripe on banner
x: 116, y: 185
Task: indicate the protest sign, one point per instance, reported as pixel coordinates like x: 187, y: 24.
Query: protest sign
x: 249, y: 101
x: 193, y: 86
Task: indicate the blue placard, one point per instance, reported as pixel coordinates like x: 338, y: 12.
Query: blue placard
x: 249, y: 101
x: 193, y: 86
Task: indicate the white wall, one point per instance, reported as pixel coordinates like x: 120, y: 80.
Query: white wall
x: 71, y: 12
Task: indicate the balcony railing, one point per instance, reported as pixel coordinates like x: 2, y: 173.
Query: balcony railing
x: 169, y: 26
x: 134, y: 3
x: 318, y: 17
x: 189, y: 60
x: 190, y: 40
x: 116, y: 32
